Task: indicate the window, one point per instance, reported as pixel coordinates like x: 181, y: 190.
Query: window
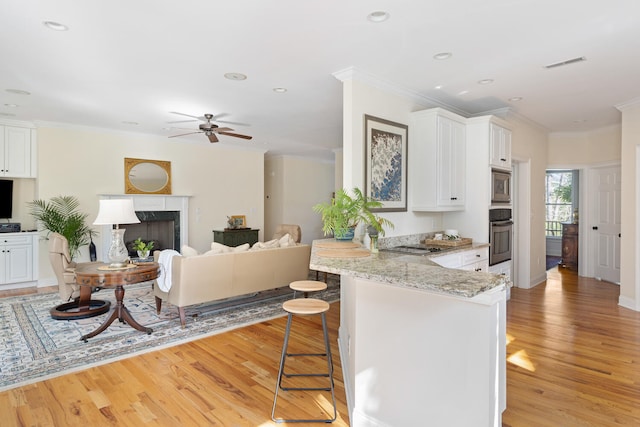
x: 561, y: 191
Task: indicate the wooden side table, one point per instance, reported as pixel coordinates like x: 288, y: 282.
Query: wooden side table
x: 231, y: 237
x: 98, y: 274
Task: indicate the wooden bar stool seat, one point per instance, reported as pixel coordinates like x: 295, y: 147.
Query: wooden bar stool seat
x: 305, y: 307
x: 307, y: 286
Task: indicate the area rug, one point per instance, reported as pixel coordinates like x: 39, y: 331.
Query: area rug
x: 34, y: 347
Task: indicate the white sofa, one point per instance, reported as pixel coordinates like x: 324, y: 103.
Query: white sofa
x: 204, y: 278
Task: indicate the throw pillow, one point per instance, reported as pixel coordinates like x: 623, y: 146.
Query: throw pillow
x: 242, y: 248
x: 219, y: 248
x: 186, y: 251
x: 286, y: 240
x: 266, y: 245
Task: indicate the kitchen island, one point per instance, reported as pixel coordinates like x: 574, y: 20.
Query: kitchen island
x: 420, y: 344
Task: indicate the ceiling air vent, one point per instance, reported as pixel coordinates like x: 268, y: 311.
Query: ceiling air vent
x: 567, y: 62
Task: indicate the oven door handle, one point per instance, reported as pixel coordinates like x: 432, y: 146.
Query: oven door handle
x: 501, y: 223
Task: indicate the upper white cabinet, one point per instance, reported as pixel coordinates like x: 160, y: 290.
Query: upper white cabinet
x: 17, y: 152
x: 500, y: 147
x: 437, y: 154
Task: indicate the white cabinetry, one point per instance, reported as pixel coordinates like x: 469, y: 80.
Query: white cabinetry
x: 503, y: 269
x: 17, y: 152
x: 476, y: 259
x: 19, y: 259
x: 437, y: 148
x: 500, y: 147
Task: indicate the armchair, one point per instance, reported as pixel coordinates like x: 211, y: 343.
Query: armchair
x: 78, y: 303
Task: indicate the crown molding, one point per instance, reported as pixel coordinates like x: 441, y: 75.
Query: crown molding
x: 352, y: 73
x: 632, y: 103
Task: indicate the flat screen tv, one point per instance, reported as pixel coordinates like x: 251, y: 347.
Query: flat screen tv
x: 6, y: 198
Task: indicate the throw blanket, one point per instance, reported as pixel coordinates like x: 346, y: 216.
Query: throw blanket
x: 165, y: 261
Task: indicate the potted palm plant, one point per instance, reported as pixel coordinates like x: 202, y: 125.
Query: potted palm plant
x: 341, y: 216
x: 61, y: 215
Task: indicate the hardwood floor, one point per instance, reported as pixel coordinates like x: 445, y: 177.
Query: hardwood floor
x: 573, y: 358
x: 573, y: 355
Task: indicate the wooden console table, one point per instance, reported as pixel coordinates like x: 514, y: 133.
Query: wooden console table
x: 93, y: 274
x: 570, y: 246
x: 237, y: 237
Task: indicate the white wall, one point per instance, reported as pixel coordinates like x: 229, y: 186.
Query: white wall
x: 584, y: 148
x: 359, y: 99
x: 293, y: 185
x: 221, y: 180
x: 630, y: 212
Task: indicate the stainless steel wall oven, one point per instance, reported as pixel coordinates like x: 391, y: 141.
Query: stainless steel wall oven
x: 500, y: 236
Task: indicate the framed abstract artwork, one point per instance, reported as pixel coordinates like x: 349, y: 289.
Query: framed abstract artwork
x: 386, y: 163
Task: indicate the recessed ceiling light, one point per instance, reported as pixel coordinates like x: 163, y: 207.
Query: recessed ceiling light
x: 11, y: 105
x: 130, y: 123
x: 7, y: 114
x: 55, y: 26
x: 279, y: 89
x: 485, y: 81
x: 378, y: 16
x: 235, y: 76
x: 463, y: 92
x: 515, y: 99
x: 438, y: 87
x: 18, y: 91
x: 442, y: 55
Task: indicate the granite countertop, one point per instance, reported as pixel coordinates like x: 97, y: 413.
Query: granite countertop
x: 409, y: 271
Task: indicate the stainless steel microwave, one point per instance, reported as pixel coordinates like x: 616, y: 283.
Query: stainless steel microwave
x: 500, y: 186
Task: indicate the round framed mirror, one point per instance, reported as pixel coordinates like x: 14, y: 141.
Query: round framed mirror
x: 147, y: 176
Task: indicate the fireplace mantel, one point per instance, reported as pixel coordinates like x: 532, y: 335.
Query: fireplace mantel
x: 150, y: 202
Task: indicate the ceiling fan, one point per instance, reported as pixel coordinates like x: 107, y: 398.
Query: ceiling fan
x: 208, y: 128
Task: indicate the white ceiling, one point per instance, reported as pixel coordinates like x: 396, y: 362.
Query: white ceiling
x: 137, y: 61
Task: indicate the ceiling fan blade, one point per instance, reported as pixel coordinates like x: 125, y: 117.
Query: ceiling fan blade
x: 183, y: 134
x: 232, y: 123
x: 188, y: 115
x: 183, y: 121
x: 237, y: 135
x: 224, y: 130
x: 212, y: 137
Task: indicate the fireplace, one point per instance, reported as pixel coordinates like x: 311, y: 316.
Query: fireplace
x: 163, y: 219
x: 160, y: 227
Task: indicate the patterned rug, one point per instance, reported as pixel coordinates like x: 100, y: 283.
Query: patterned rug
x: 34, y: 347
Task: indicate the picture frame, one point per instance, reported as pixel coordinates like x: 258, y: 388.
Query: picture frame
x: 239, y: 221
x: 385, y: 162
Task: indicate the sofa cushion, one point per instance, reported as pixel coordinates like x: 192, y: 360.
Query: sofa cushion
x: 188, y: 251
x: 219, y: 248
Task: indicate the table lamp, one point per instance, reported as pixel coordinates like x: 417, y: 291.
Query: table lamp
x: 114, y: 212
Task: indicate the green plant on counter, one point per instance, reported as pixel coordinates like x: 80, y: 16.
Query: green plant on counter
x: 345, y: 212
x: 61, y: 215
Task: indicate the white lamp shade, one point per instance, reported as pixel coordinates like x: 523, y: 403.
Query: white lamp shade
x: 116, y: 211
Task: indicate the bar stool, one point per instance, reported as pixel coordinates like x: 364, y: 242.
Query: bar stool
x: 307, y: 286
x: 305, y: 307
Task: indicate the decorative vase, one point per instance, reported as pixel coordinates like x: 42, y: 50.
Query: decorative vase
x: 374, y: 244
x: 345, y: 235
x: 143, y: 254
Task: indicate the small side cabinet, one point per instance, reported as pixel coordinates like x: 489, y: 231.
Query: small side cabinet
x: 570, y: 246
x: 236, y: 237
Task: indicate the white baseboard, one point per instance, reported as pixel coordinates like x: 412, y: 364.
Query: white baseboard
x: 627, y: 302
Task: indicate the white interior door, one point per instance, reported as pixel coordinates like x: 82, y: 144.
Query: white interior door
x: 605, y: 223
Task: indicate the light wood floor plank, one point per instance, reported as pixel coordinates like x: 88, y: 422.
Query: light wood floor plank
x: 573, y: 355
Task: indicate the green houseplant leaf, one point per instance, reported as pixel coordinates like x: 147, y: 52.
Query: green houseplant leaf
x: 346, y: 211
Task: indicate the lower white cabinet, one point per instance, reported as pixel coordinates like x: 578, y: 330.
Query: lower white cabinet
x: 504, y: 269
x: 19, y: 259
x: 476, y: 259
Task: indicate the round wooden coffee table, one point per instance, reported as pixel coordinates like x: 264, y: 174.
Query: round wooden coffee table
x: 99, y: 274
